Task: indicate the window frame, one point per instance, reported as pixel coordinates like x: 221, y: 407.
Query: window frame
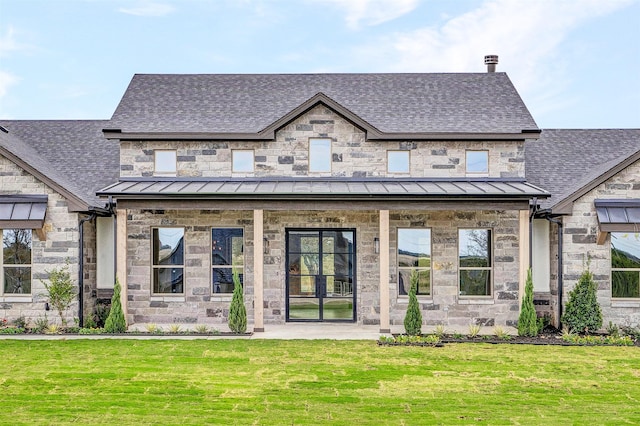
x: 4, y: 265
x: 239, y: 268
x: 155, y: 267
x: 233, y: 160
x: 490, y: 255
x: 466, y: 163
x: 398, y: 151
x: 156, y: 171
x: 329, y: 159
x: 619, y: 269
x: 418, y: 268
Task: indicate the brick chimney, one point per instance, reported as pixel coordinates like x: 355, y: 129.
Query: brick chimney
x: 491, y: 61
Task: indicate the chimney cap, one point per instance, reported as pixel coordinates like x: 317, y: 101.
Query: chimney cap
x: 490, y: 59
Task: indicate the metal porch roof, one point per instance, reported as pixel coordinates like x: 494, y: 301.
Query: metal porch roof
x: 322, y: 188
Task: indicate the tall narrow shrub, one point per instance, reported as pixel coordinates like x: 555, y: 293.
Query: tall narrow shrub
x: 413, y: 317
x: 528, y: 321
x: 115, y: 322
x: 582, y: 312
x: 237, y: 310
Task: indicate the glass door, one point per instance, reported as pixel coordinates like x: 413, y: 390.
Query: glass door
x: 320, y: 275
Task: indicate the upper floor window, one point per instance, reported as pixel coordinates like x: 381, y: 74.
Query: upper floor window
x: 475, y: 263
x: 165, y: 162
x: 16, y: 261
x: 227, y: 256
x: 242, y: 160
x: 168, y: 260
x: 398, y: 161
x: 414, y: 258
x: 477, y: 162
x: 319, y: 155
x: 625, y: 265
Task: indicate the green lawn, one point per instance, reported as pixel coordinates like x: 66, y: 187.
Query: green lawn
x: 281, y: 382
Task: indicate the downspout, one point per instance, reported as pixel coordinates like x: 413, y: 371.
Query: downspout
x: 560, y: 289
x: 81, y: 270
x: 534, y: 209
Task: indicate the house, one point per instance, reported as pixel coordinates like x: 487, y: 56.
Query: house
x: 326, y: 193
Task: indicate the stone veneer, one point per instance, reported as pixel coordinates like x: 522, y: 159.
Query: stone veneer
x: 198, y: 305
x: 61, y: 244
x: 580, y: 247
x: 352, y: 156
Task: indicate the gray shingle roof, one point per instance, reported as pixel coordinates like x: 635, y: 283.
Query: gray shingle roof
x: 73, y: 153
x: 392, y: 103
x: 563, y: 161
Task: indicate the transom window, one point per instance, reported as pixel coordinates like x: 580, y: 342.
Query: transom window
x: 165, y: 162
x: 398, y: 161
x: 414, y: 256
x: 168, y: 260
x: 319, y: 155
x: 16, y: 261
x: 477, y: 162
x: 625, y: 265
x: 227, y: 255
x: 474, y: 256
x: 242, y: 160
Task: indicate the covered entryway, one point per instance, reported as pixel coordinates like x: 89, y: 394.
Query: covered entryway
x: 320, y: 277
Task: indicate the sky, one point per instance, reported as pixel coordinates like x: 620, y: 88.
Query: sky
x: 575, y: 63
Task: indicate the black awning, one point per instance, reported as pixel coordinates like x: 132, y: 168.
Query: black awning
x: 622, y: 215
x: 22, y: 211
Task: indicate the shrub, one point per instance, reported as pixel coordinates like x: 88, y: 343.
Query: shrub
x: 115, y: 322
x: 101, y: 313
x: 237, y: 310
x: 528, y: 321
x: 413, y: 317
x: 61, y: 290
x: 474, y: 330
x: 582, y: 312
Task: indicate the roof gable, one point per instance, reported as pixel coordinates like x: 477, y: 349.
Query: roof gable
x: 394, y: 104
x: 571, y: 162
x: 68, y: 155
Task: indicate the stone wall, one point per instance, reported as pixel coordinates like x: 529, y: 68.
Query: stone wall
x: 352, y: 156
x: 61, y: 244
x: 199, y: 305
x: 581, y: 249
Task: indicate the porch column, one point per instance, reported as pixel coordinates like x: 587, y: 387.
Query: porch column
x: 258, y: 270
x: 524, y: 252
x: 384, y: 272
x: 121, y: 258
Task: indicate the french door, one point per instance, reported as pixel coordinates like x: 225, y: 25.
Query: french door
x: 320, y: 278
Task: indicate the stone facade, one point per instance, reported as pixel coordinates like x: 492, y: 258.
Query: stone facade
x: 352, y: 156
x: 199, y: 305
x: 581, y: 250
x: 61, y: 245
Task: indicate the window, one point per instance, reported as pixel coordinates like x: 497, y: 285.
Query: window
x: 16, y: 261
x: 165, y: 163
x: 242, y: 160
x: 320, y: 155
x: 477, y: 162
x: 474, y: 250
x: 625, y: 265
x: 168, y: 260
x: 227, y: 255
x: 414, y: 254
x: 398, y: 161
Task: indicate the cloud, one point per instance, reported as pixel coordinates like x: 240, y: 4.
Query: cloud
x: 527, y: 35
x: 372, y: 12
x: 6, y: 80
x: 148, y: 8
x: 9, y: 44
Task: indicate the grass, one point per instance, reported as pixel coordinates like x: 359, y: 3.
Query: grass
x: 312, y: 382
